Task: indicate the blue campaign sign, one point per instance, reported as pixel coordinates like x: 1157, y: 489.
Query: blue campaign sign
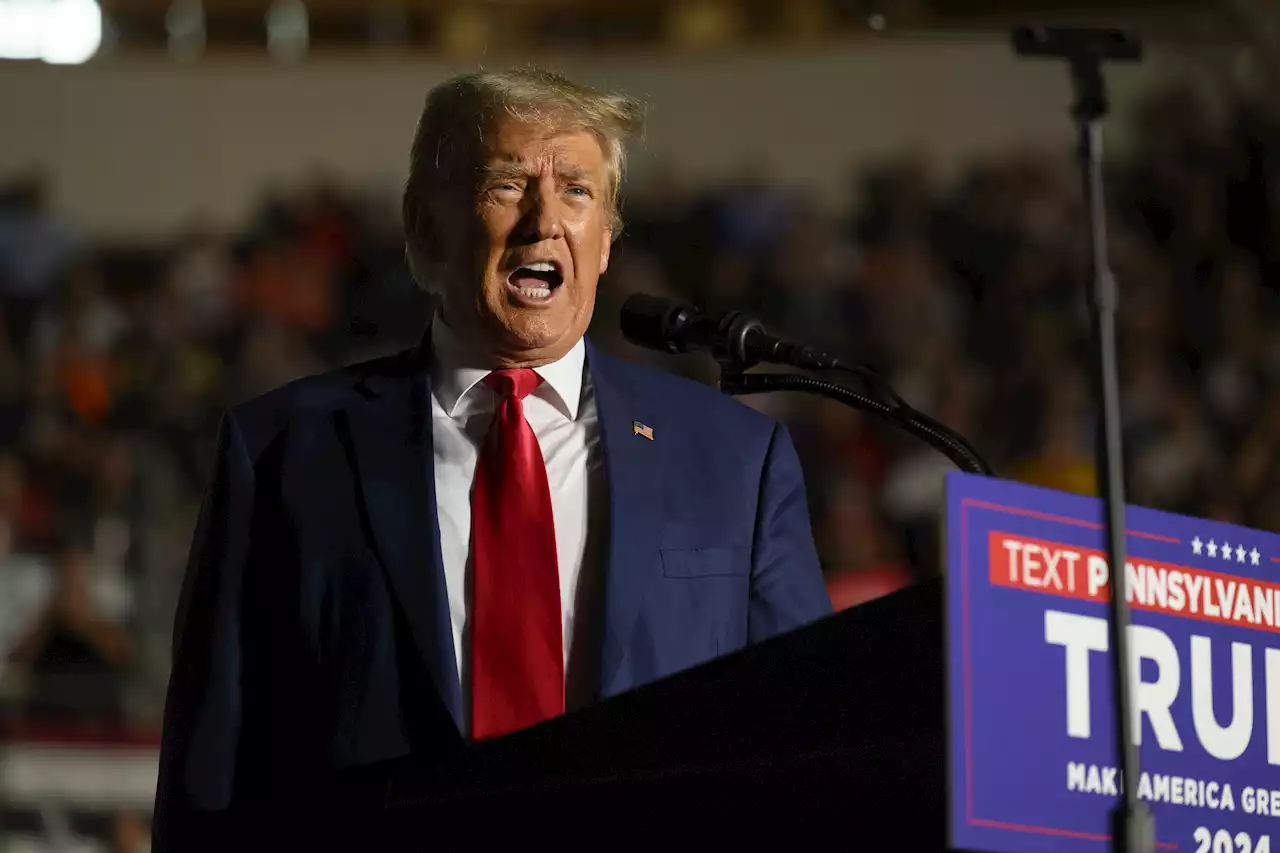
x: 1033, y: 763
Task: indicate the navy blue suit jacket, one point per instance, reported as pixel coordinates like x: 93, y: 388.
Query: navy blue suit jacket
x: 313, y: 632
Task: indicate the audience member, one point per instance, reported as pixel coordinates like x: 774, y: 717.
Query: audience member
x: 73, y: 654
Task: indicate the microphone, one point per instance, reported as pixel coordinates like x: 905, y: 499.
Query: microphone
x: 1077, y: 43
x: 739, y: 341
x: 735, y: 338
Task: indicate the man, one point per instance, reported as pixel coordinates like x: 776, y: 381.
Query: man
x: 470, y: 537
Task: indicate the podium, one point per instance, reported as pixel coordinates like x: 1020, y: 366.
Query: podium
x: 835, y: 730
x: 971, y: 712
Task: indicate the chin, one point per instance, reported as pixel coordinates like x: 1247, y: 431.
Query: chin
x: 538, y: 335
x: 533, y: 333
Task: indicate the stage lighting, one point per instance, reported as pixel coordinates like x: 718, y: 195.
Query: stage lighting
x: 60, y: 32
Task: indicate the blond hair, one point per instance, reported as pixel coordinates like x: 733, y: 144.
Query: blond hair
x: 459, y: 112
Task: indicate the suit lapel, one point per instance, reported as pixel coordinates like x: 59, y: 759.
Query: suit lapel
x: 392, y: 442
x: 633, y: 467
x: 391, y: 436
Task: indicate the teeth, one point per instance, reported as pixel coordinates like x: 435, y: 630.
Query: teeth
x: 534, y: 292
x: 541, y: 266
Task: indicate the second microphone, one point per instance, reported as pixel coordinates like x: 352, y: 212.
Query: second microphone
x: 734, y: 338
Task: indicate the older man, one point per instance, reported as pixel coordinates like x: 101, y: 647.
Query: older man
x: 467, y: 538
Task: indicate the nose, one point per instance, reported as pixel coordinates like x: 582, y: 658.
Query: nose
x: 543, y: 219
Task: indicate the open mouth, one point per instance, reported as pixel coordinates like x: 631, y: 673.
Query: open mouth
x: 536, y: 280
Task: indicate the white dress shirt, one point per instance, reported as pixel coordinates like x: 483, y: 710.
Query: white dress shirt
x: 562, y: 412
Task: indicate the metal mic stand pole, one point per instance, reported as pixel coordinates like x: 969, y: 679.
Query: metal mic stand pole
x: 1132, y: 824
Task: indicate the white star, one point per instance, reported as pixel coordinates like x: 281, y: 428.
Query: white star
x: 1254, y: 555
x: 1196, y: 546
x: 1226, y: 551
x: 1239, y: 553
x: 1213, y: 548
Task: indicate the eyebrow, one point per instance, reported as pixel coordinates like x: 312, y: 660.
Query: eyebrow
x: 517, y: 169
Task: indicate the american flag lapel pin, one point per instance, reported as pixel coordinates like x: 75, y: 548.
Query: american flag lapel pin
x: 640, y: 429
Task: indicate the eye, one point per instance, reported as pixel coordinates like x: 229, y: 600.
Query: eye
x: 579, y: 191
x: 504, y: 186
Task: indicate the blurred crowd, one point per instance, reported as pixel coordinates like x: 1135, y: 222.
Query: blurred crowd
x: 966, y: 294
x: 969, y: 296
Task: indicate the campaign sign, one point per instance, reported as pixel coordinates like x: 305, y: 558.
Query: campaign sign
x: 1033, y: 764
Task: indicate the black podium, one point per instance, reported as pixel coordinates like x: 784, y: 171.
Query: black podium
x: 835, y: 731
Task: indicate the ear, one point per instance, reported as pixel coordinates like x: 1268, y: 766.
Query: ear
x: 605, y: 246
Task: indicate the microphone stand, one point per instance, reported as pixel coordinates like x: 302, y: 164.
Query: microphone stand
x: 734, y: 381
x: 1132, y: 824
x: 736, y: 349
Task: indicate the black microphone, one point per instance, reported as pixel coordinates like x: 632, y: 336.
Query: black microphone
x: 735, y: 338
x: 1077, y: 43
x: 739, y: 341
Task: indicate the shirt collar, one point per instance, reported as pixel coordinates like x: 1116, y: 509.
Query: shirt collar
x: 457, y: 369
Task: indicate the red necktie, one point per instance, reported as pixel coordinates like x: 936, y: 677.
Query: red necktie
x: 517, y: 651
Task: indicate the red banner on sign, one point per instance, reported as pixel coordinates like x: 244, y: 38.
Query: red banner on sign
x: 1066, y: 570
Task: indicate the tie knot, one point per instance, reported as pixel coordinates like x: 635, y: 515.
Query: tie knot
x: 518, y: 383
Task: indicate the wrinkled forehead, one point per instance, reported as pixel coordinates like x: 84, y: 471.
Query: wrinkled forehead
x: 542, y: 146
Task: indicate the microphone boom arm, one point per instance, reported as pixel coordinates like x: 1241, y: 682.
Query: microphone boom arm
x: 939, y: 437
x: 738, y: 342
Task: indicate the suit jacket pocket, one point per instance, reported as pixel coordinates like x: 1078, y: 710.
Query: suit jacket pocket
x: 705, y: 562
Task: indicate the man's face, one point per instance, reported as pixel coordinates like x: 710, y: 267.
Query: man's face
x: 520, y: 279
